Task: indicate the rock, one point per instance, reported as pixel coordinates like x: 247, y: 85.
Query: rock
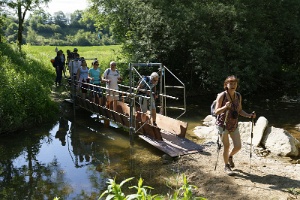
x: 244, y: 130
x: 209, y: 120
x: 206, y: 132
x: 280, y: 142
x: 276, y: 141
x: 258, y: 131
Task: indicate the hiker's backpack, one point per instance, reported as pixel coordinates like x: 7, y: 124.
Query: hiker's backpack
x: 213, y: 105
x: 144, y: 79
x: 52, y: 61
x: 108, y: 71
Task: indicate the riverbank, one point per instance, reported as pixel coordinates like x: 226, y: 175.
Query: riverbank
x: 259, y: 178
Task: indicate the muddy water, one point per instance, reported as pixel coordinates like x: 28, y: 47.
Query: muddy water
x: 73, y: 157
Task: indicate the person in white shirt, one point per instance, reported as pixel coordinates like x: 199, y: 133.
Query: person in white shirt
x: 112, y: 77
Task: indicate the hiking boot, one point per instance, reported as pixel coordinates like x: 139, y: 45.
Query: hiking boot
x: 231, y: 163
x: 228, y: 170
x: 154, y: 124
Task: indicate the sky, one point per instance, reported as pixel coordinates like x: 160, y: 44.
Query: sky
x: 67, y: 6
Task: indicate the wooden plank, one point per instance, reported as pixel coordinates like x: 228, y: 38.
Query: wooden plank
x: 169, y: 124
x: 125, y: 120
x: 171, y: 148
x: 148, y: 130
x: 117, y: 117
x: 95, y: 107
x: 123, y: 108
x: 102, y: 111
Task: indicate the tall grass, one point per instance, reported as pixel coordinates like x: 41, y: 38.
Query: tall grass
x: 104, y: 54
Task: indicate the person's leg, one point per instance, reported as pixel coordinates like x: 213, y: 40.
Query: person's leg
x: 94, y: 95
x: 226, y: 144
x: 59, y: 76
x: 115, y: 103
x: 116, y: 99
x: 153, y: 111
x: 237, y: 145
x: 143, y: 106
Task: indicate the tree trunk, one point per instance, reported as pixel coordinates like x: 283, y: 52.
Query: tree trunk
x: 20, y: 28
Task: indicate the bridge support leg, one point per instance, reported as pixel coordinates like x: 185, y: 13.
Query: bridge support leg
x: 106, y: 123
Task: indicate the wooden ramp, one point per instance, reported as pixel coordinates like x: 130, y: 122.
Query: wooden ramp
x: 168, y: 135
x: 173, y: 145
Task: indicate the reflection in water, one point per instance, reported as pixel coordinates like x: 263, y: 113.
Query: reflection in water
x: 74, y: 158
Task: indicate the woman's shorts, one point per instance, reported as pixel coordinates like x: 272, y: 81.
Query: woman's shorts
x: 112, y: 95
x: 96, y: 91
x: 84, y: 86
x: 220, y: 130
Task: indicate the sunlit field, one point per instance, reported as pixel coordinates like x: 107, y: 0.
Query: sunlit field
x: 104, y: 54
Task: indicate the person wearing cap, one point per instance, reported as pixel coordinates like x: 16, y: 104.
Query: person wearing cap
x: 95, y: 79
x: 111, y: 77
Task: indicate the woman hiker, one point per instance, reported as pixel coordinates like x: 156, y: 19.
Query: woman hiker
x: 228, y: 108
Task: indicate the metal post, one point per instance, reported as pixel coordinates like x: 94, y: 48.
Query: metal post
x: 131, y: 116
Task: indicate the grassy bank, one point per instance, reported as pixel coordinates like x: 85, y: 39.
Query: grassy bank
x: 27, y: 81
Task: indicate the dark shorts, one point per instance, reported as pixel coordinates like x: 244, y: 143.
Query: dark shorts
x: 84, y: 86
x: 96, y: 90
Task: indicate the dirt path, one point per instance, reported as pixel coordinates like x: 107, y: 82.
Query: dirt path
x: 269, y: 177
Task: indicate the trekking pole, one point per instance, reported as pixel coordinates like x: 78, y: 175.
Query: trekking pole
x: 218, y: 150
x: 218, y: 141
x: 251, y: 137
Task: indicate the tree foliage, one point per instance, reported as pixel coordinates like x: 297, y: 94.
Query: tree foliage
x: 20, y: 8
x: 41, y: 28
x: 204, y: 41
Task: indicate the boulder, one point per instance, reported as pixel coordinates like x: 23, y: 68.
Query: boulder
x: 258, y: 131
x: 280, y: 142
x: 208, y: 133
x: 277, y: 141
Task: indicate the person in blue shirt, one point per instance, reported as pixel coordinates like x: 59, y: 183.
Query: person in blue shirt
x: 95, y: 79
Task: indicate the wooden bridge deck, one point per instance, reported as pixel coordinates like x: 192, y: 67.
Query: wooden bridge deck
x: 168, y: 135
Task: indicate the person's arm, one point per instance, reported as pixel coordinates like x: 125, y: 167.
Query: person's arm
x: 90, y: 75
x: 104, y: 77
x: 219, y: 108
x: 78, y: 74
x: 244, y: 113
x: 139, y: 88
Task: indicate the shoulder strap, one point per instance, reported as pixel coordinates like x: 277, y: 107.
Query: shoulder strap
x: 224, y: 95
x: 108, y: 70
x: 238, y: 95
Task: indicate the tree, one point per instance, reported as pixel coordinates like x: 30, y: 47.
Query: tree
x: 21, y: 7
x: 60, y: 19
x: 204, y: 41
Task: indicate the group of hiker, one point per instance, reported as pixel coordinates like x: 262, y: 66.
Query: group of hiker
x: 228, y: 104
x: 90, y: 79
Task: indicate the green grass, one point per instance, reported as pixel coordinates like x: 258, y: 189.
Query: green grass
x: 27, y: 81
x: 104, y: 54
